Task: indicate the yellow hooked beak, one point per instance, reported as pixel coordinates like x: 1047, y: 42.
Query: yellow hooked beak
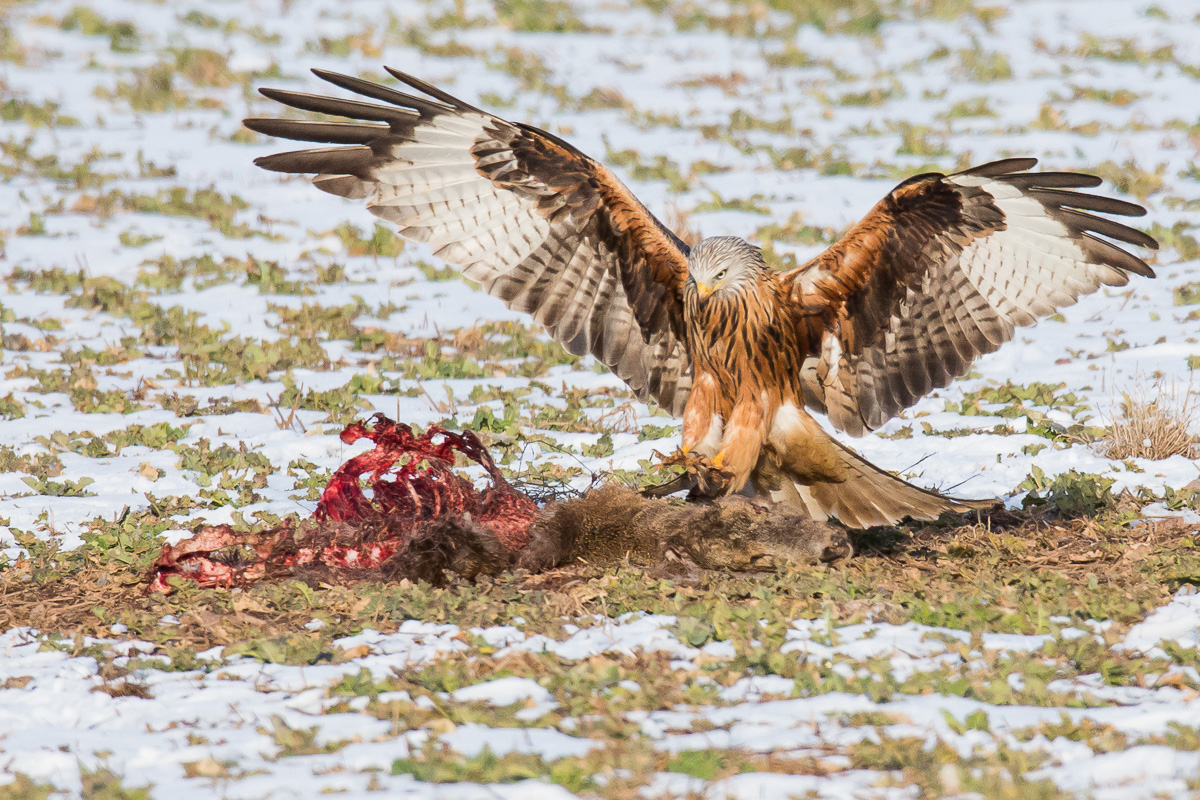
x: 704, y: 290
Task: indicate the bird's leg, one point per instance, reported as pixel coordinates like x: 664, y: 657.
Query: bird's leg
x: 741, y: 444
x: 717, y: 455
x: 701, y: 421
x: 702, y: 427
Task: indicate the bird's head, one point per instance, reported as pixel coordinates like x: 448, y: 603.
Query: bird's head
x: 720, y: 264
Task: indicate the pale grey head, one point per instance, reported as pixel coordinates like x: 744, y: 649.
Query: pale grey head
x: 723, y: 263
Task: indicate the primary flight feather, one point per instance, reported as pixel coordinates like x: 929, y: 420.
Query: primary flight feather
x: 941, y: 271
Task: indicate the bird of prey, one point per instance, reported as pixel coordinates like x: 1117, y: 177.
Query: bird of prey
x: 939, y: 272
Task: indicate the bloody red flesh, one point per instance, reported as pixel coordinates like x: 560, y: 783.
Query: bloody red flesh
x: 412, y: 482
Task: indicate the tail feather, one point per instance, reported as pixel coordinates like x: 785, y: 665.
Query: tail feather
x: 866, y: 497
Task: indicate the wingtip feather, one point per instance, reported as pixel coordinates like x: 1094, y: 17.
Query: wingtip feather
x: 431, y: 90
x: 1004, y: 166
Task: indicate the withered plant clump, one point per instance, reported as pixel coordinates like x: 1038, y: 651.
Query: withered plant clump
x: 680, y: 221
x: 1155, y: 423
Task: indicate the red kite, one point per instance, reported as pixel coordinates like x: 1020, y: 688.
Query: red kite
x: 941, y: 271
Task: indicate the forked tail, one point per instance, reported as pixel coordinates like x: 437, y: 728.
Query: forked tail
x: 867, y: 496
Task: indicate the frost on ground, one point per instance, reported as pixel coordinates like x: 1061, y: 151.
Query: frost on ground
x: 184, y: 336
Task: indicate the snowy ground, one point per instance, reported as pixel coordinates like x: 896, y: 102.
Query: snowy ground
x: 183, y: 336
x: 252, y: 730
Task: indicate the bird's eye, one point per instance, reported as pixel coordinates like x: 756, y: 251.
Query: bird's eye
x: 721, y: 274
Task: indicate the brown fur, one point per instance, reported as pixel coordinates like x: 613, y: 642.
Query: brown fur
x: 608, y: 525
x: 613, y: 523
x: 454, y: 545
x: 437, y: 549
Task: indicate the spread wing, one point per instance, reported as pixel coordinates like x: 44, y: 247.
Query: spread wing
x: 536, y: 222
x: 943, y: 270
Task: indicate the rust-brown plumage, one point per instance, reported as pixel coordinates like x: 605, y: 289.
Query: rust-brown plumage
x: 941, y: 271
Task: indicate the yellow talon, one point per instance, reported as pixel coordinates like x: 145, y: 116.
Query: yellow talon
x: 718, y: 459
x: 685, y: 449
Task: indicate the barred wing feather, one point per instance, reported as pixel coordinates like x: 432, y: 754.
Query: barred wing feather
x: 943, y: 270
x: 537, y: 223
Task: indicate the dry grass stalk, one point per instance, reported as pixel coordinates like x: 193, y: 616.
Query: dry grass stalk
x: 1155, y: 423
x: 679, y: 220
x: 124, y: 688
x: 618, y: 419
